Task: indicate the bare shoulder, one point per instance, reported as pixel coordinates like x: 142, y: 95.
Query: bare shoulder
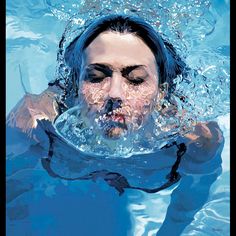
x: 30, y: 108
x: 205, y: 141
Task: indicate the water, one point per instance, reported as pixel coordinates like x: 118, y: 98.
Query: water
x: 57, y: 207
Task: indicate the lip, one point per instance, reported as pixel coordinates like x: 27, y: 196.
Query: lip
x: 111, y: 119
x: 117, y: 118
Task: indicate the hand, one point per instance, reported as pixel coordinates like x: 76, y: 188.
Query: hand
x: 204, y: 141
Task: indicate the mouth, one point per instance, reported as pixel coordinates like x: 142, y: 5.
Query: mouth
x: 119, y: 118
x: 113, y: 119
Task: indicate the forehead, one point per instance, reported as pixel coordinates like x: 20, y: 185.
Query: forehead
x: 119, y: 49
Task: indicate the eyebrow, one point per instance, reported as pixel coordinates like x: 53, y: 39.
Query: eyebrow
x: 125, y: 71
x: 100, y: 67
x: 108, y: 69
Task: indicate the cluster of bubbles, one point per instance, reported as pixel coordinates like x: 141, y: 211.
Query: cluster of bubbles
x: 186, y: 23
x: 201, y: 95
x: 88, y: 137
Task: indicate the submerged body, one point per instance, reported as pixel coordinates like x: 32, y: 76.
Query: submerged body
x: 202, y: 161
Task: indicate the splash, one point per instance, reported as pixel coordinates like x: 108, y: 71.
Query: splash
x: 161, y: 127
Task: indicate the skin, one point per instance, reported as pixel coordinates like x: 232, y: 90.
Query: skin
x: 119, y: 66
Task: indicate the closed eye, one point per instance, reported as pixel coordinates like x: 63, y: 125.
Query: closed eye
x: 96, y: 79
x: 135, y: 81
x: 94, y: 76
x: 96, y: 73
x: 135, y: 75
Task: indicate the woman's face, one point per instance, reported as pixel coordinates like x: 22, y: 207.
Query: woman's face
x: 118, y: 82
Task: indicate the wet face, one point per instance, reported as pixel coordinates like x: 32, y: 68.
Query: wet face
x: 118, y: 83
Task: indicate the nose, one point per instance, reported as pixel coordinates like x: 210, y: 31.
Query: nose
x: 115, y: 90
x: 112, y: 104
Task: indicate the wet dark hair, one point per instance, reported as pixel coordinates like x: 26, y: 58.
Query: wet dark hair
x: 169, y: 64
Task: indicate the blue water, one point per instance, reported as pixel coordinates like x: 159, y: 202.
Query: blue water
x: 51, y: 206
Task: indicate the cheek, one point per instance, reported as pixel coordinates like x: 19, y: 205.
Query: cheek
x: 141, y: 97
x: 93, y: 93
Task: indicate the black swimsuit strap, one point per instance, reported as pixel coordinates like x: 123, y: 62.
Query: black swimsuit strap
x: 173, y: 177
x: 116, y: 180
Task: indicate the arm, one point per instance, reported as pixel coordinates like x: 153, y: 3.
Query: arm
x: 25, y: 140
x: 202, y: 166
x: 30, y: 108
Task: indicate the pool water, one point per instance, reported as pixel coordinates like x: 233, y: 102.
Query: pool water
x: 52, y: 206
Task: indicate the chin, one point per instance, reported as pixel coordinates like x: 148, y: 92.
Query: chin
x: 114, y: 133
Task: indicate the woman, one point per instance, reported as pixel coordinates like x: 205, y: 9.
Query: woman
x: 119, y: 70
